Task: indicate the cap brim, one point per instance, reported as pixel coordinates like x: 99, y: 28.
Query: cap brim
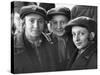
x: 49, y: 16
x: 24, y: 14
x: 68, y: 27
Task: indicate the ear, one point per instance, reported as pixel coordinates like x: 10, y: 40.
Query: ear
x: 92, y: 35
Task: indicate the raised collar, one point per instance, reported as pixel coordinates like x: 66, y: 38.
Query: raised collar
x: 21, y: 39
x: 92, y: 48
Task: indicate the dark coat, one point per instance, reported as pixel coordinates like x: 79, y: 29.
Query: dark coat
x: 65, y: 48
x: 28, y: 58
x: 87, y: 60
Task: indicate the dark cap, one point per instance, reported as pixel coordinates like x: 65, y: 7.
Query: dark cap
x: 82, y: 21
x: 32, y: 9
x: 59, y: 11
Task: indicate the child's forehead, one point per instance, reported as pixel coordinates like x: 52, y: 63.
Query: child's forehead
x: 79, y: 28
x: 33, y: 16
x: 59, y: 16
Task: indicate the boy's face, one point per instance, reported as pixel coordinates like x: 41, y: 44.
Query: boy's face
x: 80, y: 37
x: 34, y: 24
x: 58, y: 23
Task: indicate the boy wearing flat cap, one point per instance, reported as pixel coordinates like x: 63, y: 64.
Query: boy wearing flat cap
x: 32, y: 51
x: 83, y: 30
x: 57, y: 21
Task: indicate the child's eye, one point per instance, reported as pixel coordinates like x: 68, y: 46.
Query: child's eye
x: 73, y: 34
x: 53, y: 22
x: 40, y: 21
x: 82, y: 33
x: 63, y: 22
x: 32, y: 20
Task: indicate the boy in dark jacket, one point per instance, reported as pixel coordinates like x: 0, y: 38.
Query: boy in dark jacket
x: 57, y: 21
x: 83, y: 30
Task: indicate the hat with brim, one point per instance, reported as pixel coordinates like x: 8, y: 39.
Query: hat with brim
x: 82, y: 21
x: 32, y: 9
x: 58, y: 11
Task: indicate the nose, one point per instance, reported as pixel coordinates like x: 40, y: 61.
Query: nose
x: 35, y: 24
x: 58, y: 26
x: 77, y: 38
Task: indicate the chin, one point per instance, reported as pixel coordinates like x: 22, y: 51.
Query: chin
x: 59, y: 34
x: 35, y: 35
x: 78, y: 47
x: 81, y: 47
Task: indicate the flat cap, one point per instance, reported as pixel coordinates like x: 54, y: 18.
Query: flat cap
x: 59, y: 11
x: 32, y: 9
x: 82, y: 21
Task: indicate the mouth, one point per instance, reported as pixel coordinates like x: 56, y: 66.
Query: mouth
x: 78, y: 44
x: 35, y: 30
x: 59, y: 30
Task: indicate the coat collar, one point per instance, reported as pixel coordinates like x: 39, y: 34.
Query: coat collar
x: 21, y: 39
x: 89, y: 51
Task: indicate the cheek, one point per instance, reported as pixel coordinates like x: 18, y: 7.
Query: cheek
x: 63, y: 26
x: 73, y: 39
x: 53, y: 27
x: 27, y: 27
x: 41, y: 27
x: 85, y: 40
x: 28, y: 24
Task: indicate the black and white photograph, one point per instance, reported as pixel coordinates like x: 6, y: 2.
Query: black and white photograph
x: 53, y: 37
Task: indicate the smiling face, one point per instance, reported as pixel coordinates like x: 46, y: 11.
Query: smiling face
x: 34, y: 25
x: 58, y: 23
x: 80, y: 37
